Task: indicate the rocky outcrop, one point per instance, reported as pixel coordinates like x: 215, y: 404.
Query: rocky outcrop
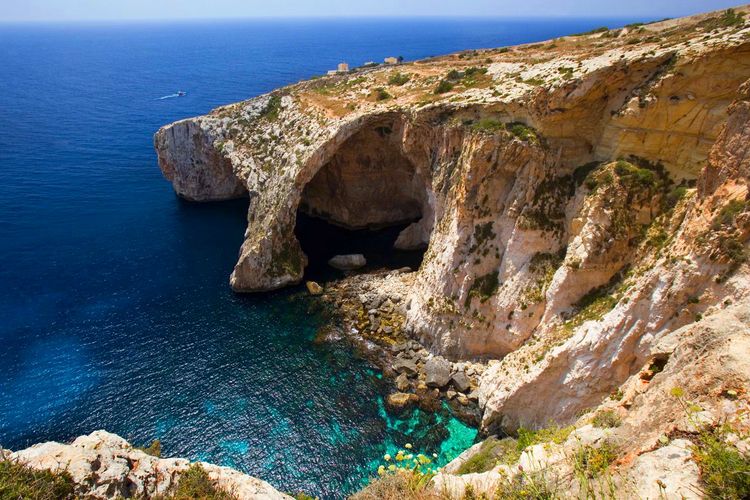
x: 192, y: 160
x: 104, y: 466
x: 579, y: 200
x: 695, y: 382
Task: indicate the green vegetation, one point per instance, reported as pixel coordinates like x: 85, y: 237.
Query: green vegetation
x: 18, y: 481
x: 443, y: 87
x: 484, y: 287
x: 194, y: 483
x: 381, y: 94
x: 728, y: 214
x: 728, y: 19
x: 591, y: 461
x: 509, y: 450
x: 593, y: 31
x: 154, y: 449
x: 488, y: 125
x: 583, y: 173
x: 523, y: 132
x: 491, y: 451
x: 725, y: 472
x: 606, y: 419
x: 398, y: 79
x: 675, y: 196
x: 406, y: 475
x: 592, y: 306
x: 483, y: 233
x: 565, y: 72
x: 544, y: 266
x: 272, y: 109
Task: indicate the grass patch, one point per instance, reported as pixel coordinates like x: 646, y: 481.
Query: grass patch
x: 592, y: 306
x: 489, y: 454
x: 606, y: 419
x: 398, y: 79
x: 443, y: 87
x: 18, y: 481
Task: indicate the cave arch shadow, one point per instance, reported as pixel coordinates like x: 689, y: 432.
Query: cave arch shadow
x: 366, y: 196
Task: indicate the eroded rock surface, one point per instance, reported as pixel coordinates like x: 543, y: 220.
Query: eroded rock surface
x: 104, y: 465
x: 580, y: 200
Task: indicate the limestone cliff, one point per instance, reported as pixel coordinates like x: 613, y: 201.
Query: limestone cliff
x: 580, y: 199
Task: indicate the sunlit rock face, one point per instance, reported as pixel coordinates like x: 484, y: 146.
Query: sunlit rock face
x: 578, y: 199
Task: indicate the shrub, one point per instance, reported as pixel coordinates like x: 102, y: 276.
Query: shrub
x: 272, y: 109
x: 381, y: 94
x: 591, y: 461
x: 443, y: 87
x: 606, y: 419
x: 154, y: 449
x: 454, y: 75
x: 725, y: 472
x: 523, y: 132
x: 398, y: 79
x: 485, y: 286
x: 728, y: 213
x: 195, y: 483
x: 19, y: 481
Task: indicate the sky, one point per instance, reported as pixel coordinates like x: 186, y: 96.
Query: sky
x: 84, y: 10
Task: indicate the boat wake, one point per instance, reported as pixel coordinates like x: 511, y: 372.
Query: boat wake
x: 179, y: 93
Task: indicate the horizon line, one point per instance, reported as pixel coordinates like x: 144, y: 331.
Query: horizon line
x: 651, y: 18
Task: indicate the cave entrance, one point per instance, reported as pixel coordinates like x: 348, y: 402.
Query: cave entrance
x: 368, y: 199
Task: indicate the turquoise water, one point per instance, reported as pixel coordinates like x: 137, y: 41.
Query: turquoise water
x: 115, y: 311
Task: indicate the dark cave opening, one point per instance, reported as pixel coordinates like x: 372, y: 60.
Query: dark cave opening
x: 369, y: 199
x: 321, y: 240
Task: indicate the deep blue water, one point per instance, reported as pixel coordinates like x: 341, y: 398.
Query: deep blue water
x: 115, y: 311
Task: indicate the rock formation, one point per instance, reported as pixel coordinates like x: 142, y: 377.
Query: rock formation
x: 581, y: 202
x: 104, y: 465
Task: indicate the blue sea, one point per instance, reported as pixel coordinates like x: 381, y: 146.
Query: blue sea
x: 115, y: 309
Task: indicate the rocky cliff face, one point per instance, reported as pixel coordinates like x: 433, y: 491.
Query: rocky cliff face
x: 579, y: 199
x: 103, y: 465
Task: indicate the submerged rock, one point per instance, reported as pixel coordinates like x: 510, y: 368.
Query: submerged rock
x: 398, y: 402
x: 314, y: 288
x: 348, y: 262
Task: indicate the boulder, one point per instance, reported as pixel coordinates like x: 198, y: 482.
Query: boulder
x: 461, y: 382
x: 437, y: 372
x: 314, y: 288
x: 402, y: 382
x: 400, y: 401
x: 407, y: 366
x: 348, y: 262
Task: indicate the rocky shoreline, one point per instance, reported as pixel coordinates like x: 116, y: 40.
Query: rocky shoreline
x: 369, y: 311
